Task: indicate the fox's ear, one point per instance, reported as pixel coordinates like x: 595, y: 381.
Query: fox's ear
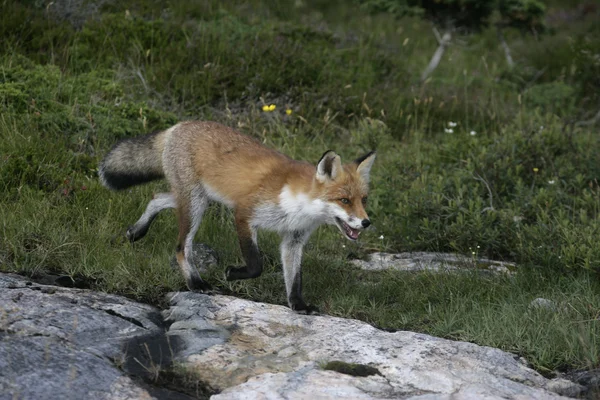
x: 364, y: 164
x: 329, y: 166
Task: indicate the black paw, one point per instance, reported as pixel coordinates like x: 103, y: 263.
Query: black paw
x: 231, y: 273
x: 304, y: 309
x: 133, y: 234
x: 200, y: 286
x: 236, y: 273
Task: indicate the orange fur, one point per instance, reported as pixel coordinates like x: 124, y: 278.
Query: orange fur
x: 205, y: 161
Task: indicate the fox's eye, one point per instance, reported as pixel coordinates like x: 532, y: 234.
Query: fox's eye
x: 364, y: 200
x: 345, y: 201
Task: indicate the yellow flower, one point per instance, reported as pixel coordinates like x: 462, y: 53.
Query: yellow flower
x: 288, y: 111
x: 536, y: 169
x: 268, y: 108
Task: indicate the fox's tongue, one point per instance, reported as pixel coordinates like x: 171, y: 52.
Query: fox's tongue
x: 353, y: 233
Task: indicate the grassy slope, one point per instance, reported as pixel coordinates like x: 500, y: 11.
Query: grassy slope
x: 522, y: 188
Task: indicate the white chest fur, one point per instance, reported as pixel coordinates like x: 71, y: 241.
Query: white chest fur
x: 293, y: 212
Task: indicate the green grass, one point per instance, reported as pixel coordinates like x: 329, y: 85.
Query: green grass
x: 522, y: 188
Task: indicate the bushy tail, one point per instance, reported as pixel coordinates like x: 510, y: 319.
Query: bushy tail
x: 133, y: 161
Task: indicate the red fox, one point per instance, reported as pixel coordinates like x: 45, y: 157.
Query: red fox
x: 207, y: 161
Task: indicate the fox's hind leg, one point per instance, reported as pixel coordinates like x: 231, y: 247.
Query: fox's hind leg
x: 161, y: 201
x: 189, y: 212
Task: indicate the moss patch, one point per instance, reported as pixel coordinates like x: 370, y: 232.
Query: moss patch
x: 351, y: 369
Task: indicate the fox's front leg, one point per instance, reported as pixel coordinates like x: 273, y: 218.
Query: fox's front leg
x: 250, y: 252
x: 291, y: 257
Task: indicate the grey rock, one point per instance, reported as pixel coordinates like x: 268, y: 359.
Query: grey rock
x: 565, y: 387
x: 430, y: 261
x: 71, y: 343
x: 192, y: 325
x: 255, y: 350
x: 590, y: 379
x: 39, y: 367
x: 59, y: 343
x: 204, y: 258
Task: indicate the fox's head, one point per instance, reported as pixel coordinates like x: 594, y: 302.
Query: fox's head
x: 344, y: 189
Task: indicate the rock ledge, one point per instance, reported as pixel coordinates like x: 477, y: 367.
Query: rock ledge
x: 253, y: 350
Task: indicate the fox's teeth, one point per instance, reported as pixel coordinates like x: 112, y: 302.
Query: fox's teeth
x: 350, y: 232
x: 353, y: 233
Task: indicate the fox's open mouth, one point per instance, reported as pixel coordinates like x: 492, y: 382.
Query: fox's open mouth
x: 350, y: 233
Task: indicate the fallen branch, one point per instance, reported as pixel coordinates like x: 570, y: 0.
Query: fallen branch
x: 595, y: 119
x: 443, y: 42
x: 507, y: 53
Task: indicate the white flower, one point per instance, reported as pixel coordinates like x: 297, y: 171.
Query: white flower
x: 448, y: 130
x: 381, y: 237
x: 452, y: 124
x: 551, y: 182
x: 473, y: 133
x: 344, y: 246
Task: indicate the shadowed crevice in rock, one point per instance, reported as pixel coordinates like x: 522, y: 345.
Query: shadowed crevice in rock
x: 60, y: 343
x: 150, y: 359
x: 128, y: 319
x: 77, y: 281
x: 146, y: 356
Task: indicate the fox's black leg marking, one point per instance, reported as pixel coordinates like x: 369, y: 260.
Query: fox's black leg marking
x: 291, y: 257
x: 254, y: 262
x: 250, y: 252
x: 197, y: 284
x: 136, y: 232
x: 306, y: 309
x: 295, y: 298
x: 160, y: 202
